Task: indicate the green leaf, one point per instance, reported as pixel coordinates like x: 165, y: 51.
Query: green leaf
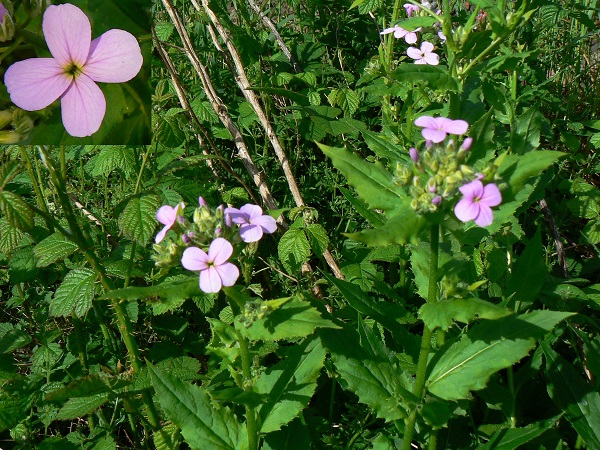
x: 294, y: 436
x: 179, y: 289
x: 529, y: 271
x: 53, y: 248
x: 317, y: 235
x: 203, y: 423
x: 443, y: 314
x: 81, y: 406
x: 526, y: 137
x: 293, y: 249
x: 8, y: 171
x: 413, y: 23
x: 383, y: 147
x: 138, y: 219
x: 295, y: 319
x: 111, y: 158
x: 75, y: 294
x: 372, y: 182
x: 434, y: 77
x: 13, y: 339
x: 164, y: 30
x: 361, y: 208
x: 402, y: 227
x: 375, y: 381
x: 15, y: 210
x: 289, y: 385
x: 10, y: 236
x: 345, y: 98
x: 574, y: 395
x: 467, y: 365
x: 517, y: 169
x: 512, y: 438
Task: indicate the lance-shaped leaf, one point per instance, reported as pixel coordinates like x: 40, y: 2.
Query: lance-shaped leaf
x: 372, y: 182
x: 467, y: 365
x: 517, y: 169
x: 443, y: 314
x: 203, y: 423
x: 75, y: 294
x: 511, y: 438
x: 289, y: 385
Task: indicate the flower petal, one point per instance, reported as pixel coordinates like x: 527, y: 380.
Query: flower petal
x: 432, y: 59
x: 83, y: 107
x: 414, y: 53
x: 166, y: 215
x: 427, y: 47
x: 485, y: 216
x: 229, y: 273
x: 491, y: 195
x: 219, y: 251
x: 68, y: 33
x: 267, y: 223
x: 35, y: 83
x: 400, y: 32
x: 210, y: 281
x: 251, y: 233
x: 433, y: 134
x: 236, y: 216
x: 388, y: 30
x: 466, y: 210
x: 472, y: 190
x: 456, y: 127
x: 410, y: 37
x: 426, y: 122
x: 251, y: 210
x: 115, y: 57
x: 161, y: 235
x: 194, y: 258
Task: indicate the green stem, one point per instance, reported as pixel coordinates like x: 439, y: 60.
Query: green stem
x: 432, y: 445
x: 511, y: 387
x: 419, y: 386
x: 246, y: 371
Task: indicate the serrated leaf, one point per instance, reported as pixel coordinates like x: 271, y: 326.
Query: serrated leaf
x: 467, y: 365
x: 164, y: 30
x: 203, y: 423
x: 443, y: 314
x: 53, y: 248
x: 383, y: 147
x: 13, y: 339
x: 75, y: 294
x: 81, y: 406
x: 111, y: 158
x: 529, y: 271
x: 295, y: 319
x: 10, y: 236
x: 434, y: 77
x: 293, y: 249
x: 415, y: 22
x: 15, y: 210
x: 289, y: 385
x: 317, y: 235
x: 8, y: 171
x: 346, y: 99
x: 138, y: 219
x: 372, y: 182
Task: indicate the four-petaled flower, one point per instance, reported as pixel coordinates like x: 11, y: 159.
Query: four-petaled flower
x: 477, y: 202
x: 409, y: 36
x: 253, y: 222
x: 410, y: 9
x: 424, y: 55
x: 77, y: 64
x: 167, y: 215
x: 215, y: 271
x: 435, y: 129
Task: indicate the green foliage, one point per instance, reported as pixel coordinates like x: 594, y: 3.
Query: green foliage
x: 137, y: 219
x: 75, y: 294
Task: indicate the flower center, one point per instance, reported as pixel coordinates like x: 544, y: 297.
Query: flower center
x: 73, y: 70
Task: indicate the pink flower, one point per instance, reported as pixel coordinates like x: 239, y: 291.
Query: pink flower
x: 167, y: 215
x: 3, y: 12
x: 435, y: 129
x: 424, y: 55
x: 253, y: 222
x: 77, y: 63
x: 409, y: 36
x: 215, y: 271
x: 410, y: 9
x: 477, y: 202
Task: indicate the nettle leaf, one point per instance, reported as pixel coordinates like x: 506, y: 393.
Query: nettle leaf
x: 164, y: 30
x: 372, y: 182
x: 8, y: 172
x: 574, y: 395
x: 317, y: 235
x: 294, y: 319
x: 486, y: 348
x: 111, y: 158
x: 10, y: 236
x: 138, y: 219
x: 204, y: 424
x: 375, y: 381
x: 345, y: 98
x: 75, y: 294
x: 81, y: 406
x: 289, y: 385
x: 434, y: 77
x: 293, y: 249
x: 443, y: 314
x: 15, y: 210
x: 53, y: 248
x: 11, y: 339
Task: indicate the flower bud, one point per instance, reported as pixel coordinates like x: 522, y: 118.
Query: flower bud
x: 466, y: 145
x: 10, y: 137
x: 7, y: 25
x: 414, y: 204
x: 436, y: 200
x: 202, y: 202
x: 431, y: 186
x: 414, y: 154
x: 466, y: 170
x: 5, y: 118
x: 34, y: 7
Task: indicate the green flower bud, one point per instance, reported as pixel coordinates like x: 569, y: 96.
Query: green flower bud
x: 414, y: 204
x: 5, y: 118
x: 466, y: 170
x: 7, y: 25
x: 10, y: 137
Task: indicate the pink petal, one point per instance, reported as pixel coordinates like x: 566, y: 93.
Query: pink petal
x: 432, y: 59
x: 267, y: 223
x: 166, y: 215
x: 400, y: 32
x: 68, y: 33
x: 433, y: 134
x: 161, y: 235
x: 410, y: 38
x: 35, y: 83
x: 194, y: 258
x: 83, y: 107
x: 388, y: 30
x: 251, y: 233
x: 420, y: 61
x: 115, y: 57
x: 251, y: 210
x: 236, y: 216
x: 466, y: 210
x: 229, y: 273
x: 210, y: 281
x: 485, y: 216
x: 415, y: 53
x: 491, y: 195
x: 427, y: 47
x: 472, y: 190
x: 456, y: 127
x: 426, y: 121
x: 219, y: 251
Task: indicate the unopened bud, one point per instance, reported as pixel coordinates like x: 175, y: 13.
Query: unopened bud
x: 414, y: 154
x: 5, y: 118
x: 7, y: 25
x: 202, y: 202
x: 414, y: 204
x: 466, y: 170
x: 34, y: 7
x: 431, y: 186
x: 10, y: 137
x: 436, y: 200
x: 466, y: 145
